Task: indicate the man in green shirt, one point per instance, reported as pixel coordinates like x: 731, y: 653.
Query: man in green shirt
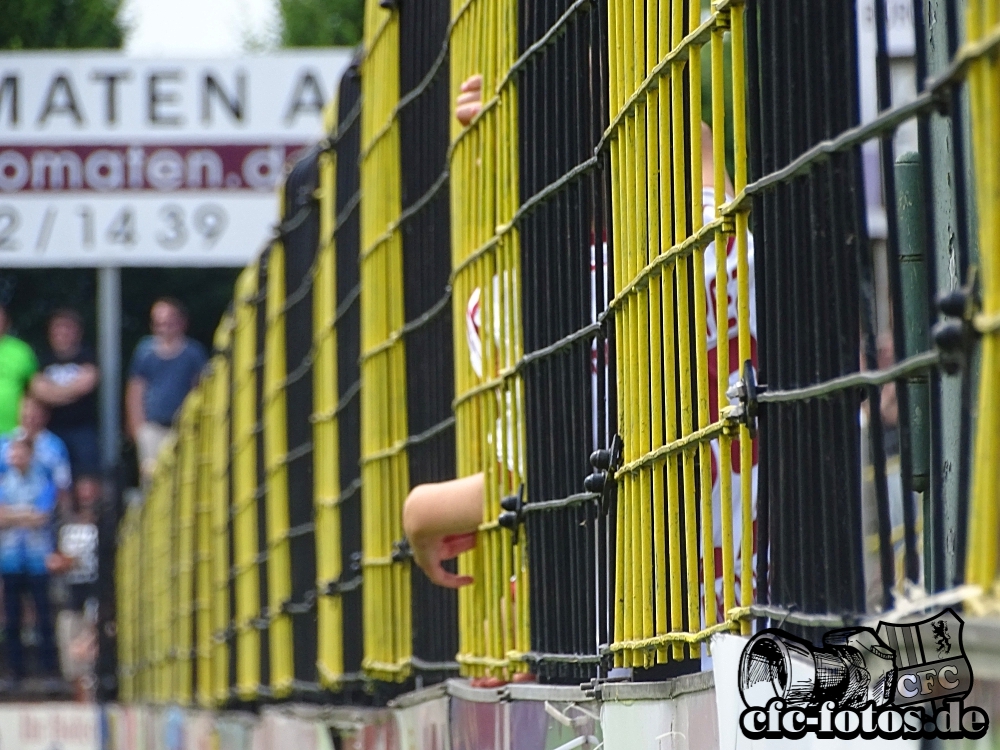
x: 17, y: 365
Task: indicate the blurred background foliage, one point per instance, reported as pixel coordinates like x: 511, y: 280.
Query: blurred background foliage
x: 321, y: 23
x: 61, y: 24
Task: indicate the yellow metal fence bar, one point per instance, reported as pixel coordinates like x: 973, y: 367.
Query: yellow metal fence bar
x: 163, y: 532
x: 676, y: 451
x: 983, y: 20
x: 721, y: 302
x: 244, y: 481
x: 186, y: 477
x: 154, y: 569
x: 274, y: 409
x: 204, y: 590
x: 144, y: 608
x: 127, y: 577
x: 743, y: 305
x: 220, y: 447
x: 385, y: 474
x: 493, y: 611
x: 326, y: 439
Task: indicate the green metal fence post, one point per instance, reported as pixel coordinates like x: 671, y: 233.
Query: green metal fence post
x: 913, y: 273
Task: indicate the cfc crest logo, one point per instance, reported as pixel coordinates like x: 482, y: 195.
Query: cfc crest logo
x: 930, y: 662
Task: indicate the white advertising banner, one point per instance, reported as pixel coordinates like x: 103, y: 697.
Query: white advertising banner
x: 53, y: 726
x: 425, y: 726
x: 107, y: 160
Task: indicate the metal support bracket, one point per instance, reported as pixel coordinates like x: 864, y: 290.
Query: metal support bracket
x: 746, y: 391
x: 956, y: 335
x: 606, y: 461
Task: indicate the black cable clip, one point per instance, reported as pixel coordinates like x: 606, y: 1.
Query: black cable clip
x: 401, y: 550
x: 350, y: 578
x: 513, y: 510
x: 956, y: 335
x: 606, y: 461
x: 746, y: 391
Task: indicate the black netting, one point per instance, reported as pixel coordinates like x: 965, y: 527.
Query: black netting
x: 348, y: 242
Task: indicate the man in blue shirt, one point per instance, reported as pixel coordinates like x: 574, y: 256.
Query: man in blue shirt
x: 165, y: 366
x: 27, y: 502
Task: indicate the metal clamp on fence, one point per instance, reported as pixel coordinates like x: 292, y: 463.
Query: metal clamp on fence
x: 349, y: 580
x: 308, y: 603
x: 401, y: 550
x: 225, y: 635
x: 513, y: 510
x: 745, y: 390
x: 606, y: 461
x: 956, y: 336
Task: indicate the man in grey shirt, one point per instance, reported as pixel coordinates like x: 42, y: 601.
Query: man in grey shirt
x: 164, y: 368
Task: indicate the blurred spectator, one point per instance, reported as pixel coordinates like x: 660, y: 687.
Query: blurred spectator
x: 27, y: 502
x: 165, y: 366
x: 889, y: 406
x: 66, y: 384
x: 17, y: 365
x: 49, y: 451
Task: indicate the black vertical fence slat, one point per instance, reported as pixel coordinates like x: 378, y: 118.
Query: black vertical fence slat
x: 426, y: 230
x: 110, y: 512
x: 347, y: 236
x: 605, y: 399
x: 755, y: 148
x: 261, y: 496
x: 301, y: 243
x: 562, y: 114
x: 964, y: 239
x: 912, y: 561
x: 809, y: 233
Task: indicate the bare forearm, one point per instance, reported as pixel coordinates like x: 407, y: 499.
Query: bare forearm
x: 50, y: 393
x: 134, y: 412
x: 23, y: 519
x: 444, y: 508
x: 35, y: 520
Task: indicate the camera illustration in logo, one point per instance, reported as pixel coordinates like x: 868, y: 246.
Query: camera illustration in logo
x: 853, y: 668
x: 930, y: 661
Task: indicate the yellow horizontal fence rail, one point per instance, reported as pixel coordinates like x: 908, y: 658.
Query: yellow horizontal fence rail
x: 244, y: 481
x: 326, y: 441
x: 983, y: 28
x: 665, y: 592
x: 274, y: 410
x: 385, y: 468
x: 489, y: 395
